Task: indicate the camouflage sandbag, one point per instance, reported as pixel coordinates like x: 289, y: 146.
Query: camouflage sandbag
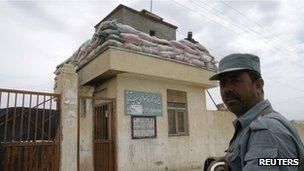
x: 197, y: 62
x: 107, y: 25
x: 131, y: 38
x: 147, y: 37
x: 92, y: 54
x: 114, y: 37
x: 85, y: 45
x: 132, y: 47
x: 126, y: 29
x: 110, y: 42
x: 107, y: 32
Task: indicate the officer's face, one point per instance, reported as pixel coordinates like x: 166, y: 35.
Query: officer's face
x: 238, y: 92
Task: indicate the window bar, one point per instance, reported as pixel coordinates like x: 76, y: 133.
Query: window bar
x: 176, y: 121
x: 36, y: 118
x: 58, y: 130
x: 104, y: 124
x: 42, y: 124
x: 99, y: 108
x: 6, y: 116
x: 106, y: 119
x: 109, y: 120
x: 22, y: 114
x: 95, y: 122
x: 0, y: 98
x: 14, y: 120
x: 50, y: 122
x: 29, y: 119
x: 101, y: 122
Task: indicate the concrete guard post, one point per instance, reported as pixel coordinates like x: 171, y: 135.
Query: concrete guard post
x: 86, y: 130
x: 67, y: 85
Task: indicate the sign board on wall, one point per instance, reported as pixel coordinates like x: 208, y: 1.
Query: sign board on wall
x: 143, y: 103
x: 143, y: 127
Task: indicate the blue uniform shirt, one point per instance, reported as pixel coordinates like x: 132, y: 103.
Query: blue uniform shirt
x: 263, y: 133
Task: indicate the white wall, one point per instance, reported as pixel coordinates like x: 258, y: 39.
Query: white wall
x: 164, y: 152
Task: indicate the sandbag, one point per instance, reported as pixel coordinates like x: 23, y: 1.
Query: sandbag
x: 168, y: 54
x: 132, y: 47
x: 92, y: 53
x: 210, y: 65
x: 165, y: 48
x: 107, y: 32
x: 185, y: 59
x: 147, y: 43
x: 126, y: 29
x: 179, y: 57
x: 131, y: 38
x: 191, y: 56
x: 107, y: 25
x: 110, y: 43
x: 85, y: 45
x: 200, y: 47
x: 161, y: 41
x: 178, y: 51
x: 197, y: 62
x: 214, y: 62
x: 177, y: 44
x: 147, y: 37
x: 191, y: 51
x: 187, y: 43
x: 151, y: 50
x: 114, y: 37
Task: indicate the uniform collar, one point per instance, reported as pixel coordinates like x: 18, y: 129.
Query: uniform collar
x: 251, y: 114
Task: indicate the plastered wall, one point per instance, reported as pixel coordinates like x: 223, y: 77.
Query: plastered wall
x: 164, y: 152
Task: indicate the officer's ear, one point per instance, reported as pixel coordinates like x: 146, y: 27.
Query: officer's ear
x: 259, y: 83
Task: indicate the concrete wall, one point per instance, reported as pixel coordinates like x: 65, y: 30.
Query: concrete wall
x: 299, y: 125
x: 164, y: 152
x: 220, y: 130
x: 142, y: 23
x: 145, y: 24
x: 86, y: 130
x: 66, y: 85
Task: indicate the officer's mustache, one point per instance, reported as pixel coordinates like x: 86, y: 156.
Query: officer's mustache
x: 231, y: 96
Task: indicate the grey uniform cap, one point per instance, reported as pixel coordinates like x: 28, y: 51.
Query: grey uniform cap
x: 236, y: 62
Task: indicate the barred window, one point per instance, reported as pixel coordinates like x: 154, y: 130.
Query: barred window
x: 177, y: 113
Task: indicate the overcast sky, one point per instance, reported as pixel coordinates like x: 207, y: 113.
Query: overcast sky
x: 36, y: 36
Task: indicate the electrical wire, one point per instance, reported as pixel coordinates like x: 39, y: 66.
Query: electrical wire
x: 210, y: 20
x: 267, y: 41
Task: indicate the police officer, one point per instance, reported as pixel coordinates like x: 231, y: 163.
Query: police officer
x: 260, y: 132
x: 190, y: 38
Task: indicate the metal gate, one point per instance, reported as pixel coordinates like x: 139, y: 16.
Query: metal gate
x: 103, y: 133
x: 29, y: 130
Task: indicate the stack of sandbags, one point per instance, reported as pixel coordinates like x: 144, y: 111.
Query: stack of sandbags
x: 111, y: 33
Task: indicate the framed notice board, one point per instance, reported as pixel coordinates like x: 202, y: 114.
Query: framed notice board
x: 143, y: 103
x: 143, y: 127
